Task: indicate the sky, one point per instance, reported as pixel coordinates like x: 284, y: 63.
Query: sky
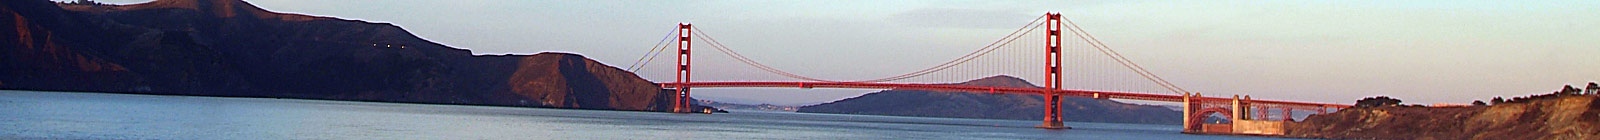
x: 1423, y: 52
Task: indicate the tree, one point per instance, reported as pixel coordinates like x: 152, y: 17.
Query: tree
x: 1377, y: 101
x: 1478, y: 103
x: 1497, y: 100
x: 1569, y: 90
x: 1592, y: 89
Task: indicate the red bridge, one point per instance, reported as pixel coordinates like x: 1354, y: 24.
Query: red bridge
x: 1041, y: 54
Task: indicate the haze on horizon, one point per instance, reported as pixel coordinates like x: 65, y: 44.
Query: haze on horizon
x: 1321, y: 51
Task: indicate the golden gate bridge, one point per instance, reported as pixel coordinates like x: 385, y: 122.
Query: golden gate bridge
x: 1087, y: 68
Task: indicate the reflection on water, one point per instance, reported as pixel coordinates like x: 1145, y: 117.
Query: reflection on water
x: 33, y: 114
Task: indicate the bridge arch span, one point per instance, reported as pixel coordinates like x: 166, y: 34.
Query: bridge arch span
x: 1203, y: 113
x: 1198, y: 121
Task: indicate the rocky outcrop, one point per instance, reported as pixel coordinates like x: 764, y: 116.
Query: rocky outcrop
x: 1567, y: 117
x: 232, y: 48
x: 994, y: 106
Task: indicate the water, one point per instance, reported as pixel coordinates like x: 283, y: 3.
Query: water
x: 71, y: 115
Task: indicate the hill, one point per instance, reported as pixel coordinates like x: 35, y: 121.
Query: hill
x: 1557, y: 116
x: 234, y: 49
x: 994, y: 106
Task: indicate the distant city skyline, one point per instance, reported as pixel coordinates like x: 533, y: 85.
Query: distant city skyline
x: 1422, y: 52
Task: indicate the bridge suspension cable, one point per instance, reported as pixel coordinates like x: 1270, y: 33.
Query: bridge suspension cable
x: 652, y: 53
x: 1101, y: 46
x: 946, y: 65
x: 968, y: 57
x: 735, y: 55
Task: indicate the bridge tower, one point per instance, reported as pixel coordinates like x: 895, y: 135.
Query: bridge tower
x: 1052, y: 117
x: 681, y: 101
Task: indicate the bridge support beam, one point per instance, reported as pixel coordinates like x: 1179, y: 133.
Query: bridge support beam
x: 1263, y: 114
x: 681, y: 103
x: 1288, y: 114
x: 1052, y: 113
x: 1261, y: 111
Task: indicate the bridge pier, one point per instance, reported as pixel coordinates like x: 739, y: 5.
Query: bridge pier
x: 1245, y: 116
x: 1197, y: 109
x: 1052, y: 119
x: 1188, y: 110
x: 1239, y: 111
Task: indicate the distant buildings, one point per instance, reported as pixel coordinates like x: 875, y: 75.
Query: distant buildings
x: 389, y: 45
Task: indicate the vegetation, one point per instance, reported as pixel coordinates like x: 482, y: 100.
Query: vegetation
x: 1377, y: 102
x: 1567, y: 90
x: 1592, y: 89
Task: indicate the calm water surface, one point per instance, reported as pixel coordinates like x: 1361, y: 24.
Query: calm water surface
x: 73, y: 115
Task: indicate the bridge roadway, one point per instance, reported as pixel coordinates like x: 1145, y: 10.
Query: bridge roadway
x: 1003, y: 90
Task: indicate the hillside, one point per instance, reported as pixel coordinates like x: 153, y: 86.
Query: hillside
x: 994, y: 106
x: 232, y: 48
x: 1566, y: 117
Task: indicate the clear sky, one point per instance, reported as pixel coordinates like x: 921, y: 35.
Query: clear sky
x: 1323, y: 51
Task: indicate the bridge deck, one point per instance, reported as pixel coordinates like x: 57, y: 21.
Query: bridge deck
x: 994, y: 90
